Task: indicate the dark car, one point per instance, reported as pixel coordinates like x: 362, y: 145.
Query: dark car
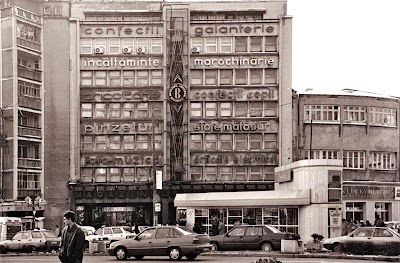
x: 251, y: 237
x: 31, y: 241
x: 172, y: 241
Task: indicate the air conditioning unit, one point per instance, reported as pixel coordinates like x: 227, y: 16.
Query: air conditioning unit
x: 195, y: 49
x: 127, y: 50
x: 141, y: 50
x: 99, y: 50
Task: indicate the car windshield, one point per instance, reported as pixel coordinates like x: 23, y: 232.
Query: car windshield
x: 49, y: 234
x: 273, y: 229
x: 128, y: 229
x: 184, y: 230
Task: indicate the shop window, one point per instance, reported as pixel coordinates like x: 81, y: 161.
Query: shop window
x: 157, y: 109
x: 201, y: 219
x: 86, y: 46
x: 226, y: 173
x: 114, y: 110
x: 142, y: 44
x: 241, y: 109
x: 128, y: 174
x: 87, y: 143
x: 382, y: 160
x: 211, y: 174
x: 241, y: 76
x: 128, y: 110
x: 142, y: 109
x: 156, y: 77
x: 354, y: 159
x: 321, y: 113
x: 255, y: 76
x: 196, y: 77
x: 128, y: 142
x: 196, y: 142
x: 253, y: 216
x: 256, y: 44
x: 271, y: 216
x: 143, y: 142
x: 270, y: 109
x: 354, y: 211
x: 128, y: 78
x: 256, y: 109
x: 143, y: 77
x: 211, y: 109
x: 115, y: 78
x: 210, y: 44
x: 210, y: 142
x: 86, y: 78
x: 115, y: 142
x: 255, y: 141
x: 226, y: 44
x: 226, y: 142
x: 241, y: 173
x: 382, y: 116
x: 255, y: 173
x: 128, y: 43
x: 143, y: 174
x: 197, y: 44
x: 115, y: 175
x: 354, y: 114
x: 101, y: 175
x: 196, y: 174
x: 240, y: 44
x: 226, y: 109
x: 100, y: 110
x: 226, y: 77
x: 100, y: 78
x: 270, y: 44
x: 114, y: 45
x: 86, y: 111
x: 382, y: 211
x: 241, y: 142
x: 235, y: 216
x: 211, y: 77
x: 196, y: 109
x: 270, y: 76
x: 156, y: 45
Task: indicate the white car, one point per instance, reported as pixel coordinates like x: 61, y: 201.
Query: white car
x: 114, y: 233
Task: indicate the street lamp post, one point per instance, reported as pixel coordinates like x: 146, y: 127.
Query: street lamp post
x: 32, y: 204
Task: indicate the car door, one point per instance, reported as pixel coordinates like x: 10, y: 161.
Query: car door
x: 360, y: 240
x: 233, y: 240
x: 381, y: 239
x: 162, y: 241
x: 37, y: 239
x: 142, y: 244
x: 107, y: 234
x: 253, y: 237
x: 118, y: 234
x: 26, y: 240
x: 15, y: 242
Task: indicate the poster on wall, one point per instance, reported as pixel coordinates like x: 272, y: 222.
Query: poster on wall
x: 397, y: 193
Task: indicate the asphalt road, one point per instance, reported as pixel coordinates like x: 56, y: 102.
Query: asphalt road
x: 200, y: 259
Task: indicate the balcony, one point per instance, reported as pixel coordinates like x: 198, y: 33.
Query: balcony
x: 29, y: 102
x: 22, y: 193
x: 29, y: 163
x: 30, y: 131
x: 28, y: 44
x: 32, y: 74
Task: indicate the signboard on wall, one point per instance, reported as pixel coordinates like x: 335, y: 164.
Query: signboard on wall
x: 120, y: 95
x: 121, y: 159
x: 397, y: 193
x: 132, y: 30
x: 233, y: 126
x: 120, y: 127
x: 234, y: 61
x: 237, y: 158
x: 358, y: 192
x: 232, y: 29
x: 235, y: 94
x: 120, y: 63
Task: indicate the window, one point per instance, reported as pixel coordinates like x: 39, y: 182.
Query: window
x: 115, y: 175
x: 143, y: 142
x: 196, y: 142
x: 196, y: 109
x: 226, y: 44
x: 382, y: 116
x: 255, y: 76
x: 321, y: 154
x: 226, y: 109
x: 354, y: 211
x: 100, y: 143
x: 255, y: 44
x: 115, y: 142
x: 240, y: 142
x: 128, y: 142
x: 156, y: 45
x: 270, y: 76
x: 226, y: 142
x: 256, y: 109
x: 142, y: 109
x: 270, y: 44
x: 211, y: 77
x: 354, y: 159
x: 115, y: 78
x: 142, y: 43
x: 241, y: 76
x: 128, y: 174
x: 240, y: 173
x: 28, y: 180
x: 100, y: 110
x: 241, y: 44
x: 100, y: 78
x: 128, y: 110
x: 197, y: 77
x: 143, y: 77
x: 211, y: 109
x: 226, y: 77
x: 114, y: 110
x: 100, y: 43
x: 156, y: 77
x: 255, y: 173
x: 114, y: 45
x: 87, y: 143
x: 157, y: 109
x: 86, y: 46
x: 197, y: 43
x: 196, y: 173
x: 255, y: 142
x: 382, y: 211
x: 47, y: 9
x: 270, y: 141
x: 382, y: 160
x: 128, y: 78
x: 226, y: 173
x: 210, y: 142
x: 128, y: 43
x: 86, y: 78
x: 211, y: 174
x: 324, y: 113
x: 86, y: 174
x: 240, y: 109
x: 354, y: 114
x: 101, y: 175
x: 211, y: 45
x: 143, y: 174
x: 270, y: 109
x: 58, y: 10
x: 86, y: 111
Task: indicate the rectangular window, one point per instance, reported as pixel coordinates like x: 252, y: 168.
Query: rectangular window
x: 158, y: 142
x: 87, y: 174
x: 143, y: 77
x: 156, y: 77
x: 211, y: 109
x: 241, y: 142
x: 255, y: 44
x: 128, y: 174
x: 142, y: 45
x: 211, y: 174
x: 255, y: 76
x: 255, y: 173
x: 86, y: 46
x: 210, y: 44
x: 196, y: 109
x: 354, y: 114
x: 115, y: 78
x: 240, y: 173
x: 382, y: 160
x: 240, y: 44
x: 128, y: 142
x: 143, y: 110
x: 197, y: 44
x: 115, y: 142
x: 226, y: 76
x: 128, y: 43
x: 143, y: 142
x: 322, y: 154
x: 100, y: 143
x: 226, y: 109
x: 270, y: 44
x: 241, y: 109
x: 226, y: 142
x: 321, y: 113
x: 143, y: 174
x: 210, y: 142
x: 226, y: 45
x: 100, y: 78
x: 354, y: 159
x: 196, y: 77
x: 270, y: 109
x: 196, y: 174
x: 100, y: 110
x: 226, y: 173
x: 128, y: 78
x: 270, y: 76
x: 86, y: 78
x: 196, y: 142
x: 100, y: 43
x: 211, y: 77
x: 156, y: 45
x: 382, y: 116
x: 241, y: 76
x: 157, y: 108
x: 256, y: 109
x: 87, y: 143
x: 270, y: 141
x: 129, y: 110
x: 86, y: 111
x: 255, y: 141
x: 114, y: 45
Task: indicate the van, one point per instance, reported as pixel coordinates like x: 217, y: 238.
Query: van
x: 9, y: 226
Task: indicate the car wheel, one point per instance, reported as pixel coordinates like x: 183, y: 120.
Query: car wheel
x: 266, y: 247
x: 121, y: 253
x: 32, y: 249
x: 336, y: 247
x: 139, y: 257
x: 192, y: 256
x: 175, y: 253
x: 3, y: 250
x: 214, y: 247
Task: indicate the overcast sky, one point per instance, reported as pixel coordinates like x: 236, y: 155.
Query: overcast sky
x: 346, y: 44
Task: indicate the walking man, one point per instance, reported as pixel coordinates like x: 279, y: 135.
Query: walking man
x: 72, y: 240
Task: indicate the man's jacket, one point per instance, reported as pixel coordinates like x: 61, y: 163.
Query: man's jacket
x: 72, y: 245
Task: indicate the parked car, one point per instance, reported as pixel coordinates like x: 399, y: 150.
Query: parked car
x: 250, y: 237
x: 366, y: 240
x: 114, y: 233
x: 90, y: 237
x: 174, y: 241
x: 31, y: 241
x: 393, y: 224
x: 90, y: 228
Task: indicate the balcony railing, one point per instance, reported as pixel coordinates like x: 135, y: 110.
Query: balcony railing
x: 29, y: 102
x: 22, y: 193
x: 30, y: 131
x: 32, y: 74
x: 29, y: 163
x: 28, y: 43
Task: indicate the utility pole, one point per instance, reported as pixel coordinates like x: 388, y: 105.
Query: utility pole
x: 154, y: 174
x: 311, y: 140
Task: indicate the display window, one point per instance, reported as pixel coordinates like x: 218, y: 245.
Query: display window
x: 354, y: 211
x: 382, y: 211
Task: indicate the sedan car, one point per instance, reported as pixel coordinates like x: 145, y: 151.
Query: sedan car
x: 174, y: 241
x: 112, y: 234
x: 366, y: 240
x: 250, y: 237
x: 31, y: 241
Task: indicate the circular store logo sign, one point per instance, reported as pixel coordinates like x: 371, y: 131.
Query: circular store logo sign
x: 177, y: 93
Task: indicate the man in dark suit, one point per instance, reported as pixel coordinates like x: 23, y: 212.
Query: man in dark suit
x: 72, y: 240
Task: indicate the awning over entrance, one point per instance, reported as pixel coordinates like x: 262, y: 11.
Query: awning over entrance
x: 248, y: 198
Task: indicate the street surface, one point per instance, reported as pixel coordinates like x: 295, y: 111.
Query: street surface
x: 200, y: 259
